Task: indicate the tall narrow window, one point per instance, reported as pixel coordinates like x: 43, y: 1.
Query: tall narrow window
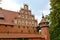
x: 22, y: 22
x: 29, y: 23
x: 18, y: 22
x: 26, y: 23
x: 26, y: 17
x: 22, y: 16
x: 29, y: 12
x: 32, y: 23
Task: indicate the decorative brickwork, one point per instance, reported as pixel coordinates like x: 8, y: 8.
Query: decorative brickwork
x: 22, y: 24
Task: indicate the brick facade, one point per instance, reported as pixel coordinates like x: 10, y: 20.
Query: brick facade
x: 22, y: 24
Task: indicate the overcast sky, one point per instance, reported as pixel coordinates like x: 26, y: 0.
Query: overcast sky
x: 36, y: 6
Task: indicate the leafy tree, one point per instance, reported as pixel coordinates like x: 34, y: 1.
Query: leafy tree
x: 54, y: 18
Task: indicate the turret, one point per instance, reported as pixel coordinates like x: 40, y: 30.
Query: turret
x: 44, y: 25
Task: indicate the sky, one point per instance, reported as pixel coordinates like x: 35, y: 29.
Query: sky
x: 36, y: 6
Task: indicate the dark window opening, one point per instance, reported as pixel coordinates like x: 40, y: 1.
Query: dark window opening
x: 5, y: 25
x: 21, y: 31
x: 33, y: 27
x: 18, y: 26
x: 34, y: 31
x: 12, y: 26
x: 29, y: 31
x: 23, y: 26
x: 1, y: 18
x: 27, y: 27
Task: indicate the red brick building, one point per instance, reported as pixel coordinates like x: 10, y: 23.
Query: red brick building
x: 22, y: 25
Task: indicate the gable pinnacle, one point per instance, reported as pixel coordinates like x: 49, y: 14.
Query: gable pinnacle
x: 42, y: 15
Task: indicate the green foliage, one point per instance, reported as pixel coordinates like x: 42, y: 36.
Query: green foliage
x: 54, y: 19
